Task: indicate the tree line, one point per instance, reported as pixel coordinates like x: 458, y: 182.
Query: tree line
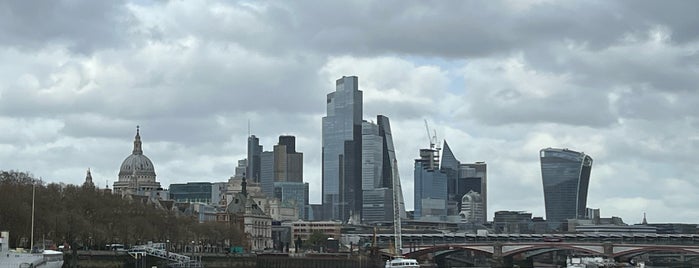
x: 84, y: 217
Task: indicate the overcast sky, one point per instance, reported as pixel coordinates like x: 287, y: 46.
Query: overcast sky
x: 499, y: 80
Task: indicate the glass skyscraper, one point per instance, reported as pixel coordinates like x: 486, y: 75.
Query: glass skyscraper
x: 254, y: 151
x: 342, y: 151
x: 566, y: 177
x: 430, y: 187
x: 462, y: 179
x: 378, y: 163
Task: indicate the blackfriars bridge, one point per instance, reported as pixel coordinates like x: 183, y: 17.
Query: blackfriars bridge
x: 501, y: 247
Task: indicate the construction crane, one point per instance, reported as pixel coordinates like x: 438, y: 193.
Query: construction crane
x: 431, y: 138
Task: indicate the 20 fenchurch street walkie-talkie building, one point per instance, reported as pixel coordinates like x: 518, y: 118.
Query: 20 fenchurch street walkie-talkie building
x: 566, y: 177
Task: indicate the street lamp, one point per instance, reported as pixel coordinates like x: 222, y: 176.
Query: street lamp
x: 167, y: 249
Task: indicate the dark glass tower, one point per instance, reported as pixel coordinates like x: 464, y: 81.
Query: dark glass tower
x: 289, y: 142
x: 450, y: 166
x: 342, y: 151
x: 566, y: 177
x: 254, y: 152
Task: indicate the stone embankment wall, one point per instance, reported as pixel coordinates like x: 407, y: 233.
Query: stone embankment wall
x: 112, y: 259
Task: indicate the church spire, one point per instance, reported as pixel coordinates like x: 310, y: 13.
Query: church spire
x: 243, y: 187
x: 88, y: 180
x: 88, y: 177
x: 137, y: 143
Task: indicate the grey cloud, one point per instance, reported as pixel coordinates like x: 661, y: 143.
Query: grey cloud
x: 445, y: 29
x: 680, y: 16
x: 573, y: 107
x: 453, y: 29
x: 198, y: 86
x: 660, y: 141
x: 404, y: 110
x: 82, y: 26
x: 648, y: 104
x: 641, y: 63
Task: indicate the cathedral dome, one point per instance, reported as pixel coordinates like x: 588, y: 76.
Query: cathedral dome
x: 137, y: 163
x: 142, y: 165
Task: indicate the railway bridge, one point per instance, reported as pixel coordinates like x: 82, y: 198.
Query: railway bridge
x: 503, y: 247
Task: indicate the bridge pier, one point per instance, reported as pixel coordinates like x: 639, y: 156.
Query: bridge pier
x: 608, y: 249
x: 498, y: 258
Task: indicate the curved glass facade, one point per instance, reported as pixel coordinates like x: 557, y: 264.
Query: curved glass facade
x: 378, y: 160
x: 566, y: 177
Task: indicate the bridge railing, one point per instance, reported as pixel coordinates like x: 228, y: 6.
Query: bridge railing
x: 177, y: 259
x: 460, y: 238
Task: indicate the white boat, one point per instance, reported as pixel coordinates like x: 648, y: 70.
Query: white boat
x: 21, y: 258
x: 398, y: 261
x: 589, y: 262
x: 402, y: 263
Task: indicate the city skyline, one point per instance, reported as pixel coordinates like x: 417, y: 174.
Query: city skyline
x: 614, y: 79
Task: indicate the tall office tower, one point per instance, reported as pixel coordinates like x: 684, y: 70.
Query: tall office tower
x: 390, y: 162
x: 462, y: 179
x: 254, y: 151
x: 566, y: 177
x: 341, y: 152
x: 474, y: 177
x: 372, y: 158
x: 283, y: 164
x: 266, y: 163
x: 450, y: 166
x: 378, y: 160
x: 430, y: 187
x: 288, y: 163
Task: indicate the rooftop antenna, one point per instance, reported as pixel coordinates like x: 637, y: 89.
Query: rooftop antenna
x: 248, y: 127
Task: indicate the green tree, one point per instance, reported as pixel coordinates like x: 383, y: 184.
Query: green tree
x: 317, y: 238
x: 87, y: 217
